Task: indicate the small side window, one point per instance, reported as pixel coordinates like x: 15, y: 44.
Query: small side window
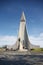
x: 19, y: 39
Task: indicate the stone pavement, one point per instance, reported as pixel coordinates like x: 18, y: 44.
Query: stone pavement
x: 21, y: 59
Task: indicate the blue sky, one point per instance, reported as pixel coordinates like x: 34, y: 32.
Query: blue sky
x: 10, y: 14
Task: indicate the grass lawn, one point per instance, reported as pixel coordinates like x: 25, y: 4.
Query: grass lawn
x: 37, y: 50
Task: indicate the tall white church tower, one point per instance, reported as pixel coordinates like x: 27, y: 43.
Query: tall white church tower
x: 22, y: 35
x: 22, y: 43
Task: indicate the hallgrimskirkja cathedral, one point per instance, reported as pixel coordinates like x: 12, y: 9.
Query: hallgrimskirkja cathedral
x: 22, y: 43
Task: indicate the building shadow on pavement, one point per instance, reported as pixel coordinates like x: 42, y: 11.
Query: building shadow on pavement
x: 21, y: 60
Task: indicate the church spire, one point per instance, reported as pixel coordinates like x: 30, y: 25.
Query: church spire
x: 23, y: 17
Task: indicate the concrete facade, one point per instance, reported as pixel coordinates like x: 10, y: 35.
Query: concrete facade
x: 22, y: 43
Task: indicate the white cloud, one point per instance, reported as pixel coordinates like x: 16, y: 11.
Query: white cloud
x: 7, y: 40
x: 10, y: 40
x: 37, y: 40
